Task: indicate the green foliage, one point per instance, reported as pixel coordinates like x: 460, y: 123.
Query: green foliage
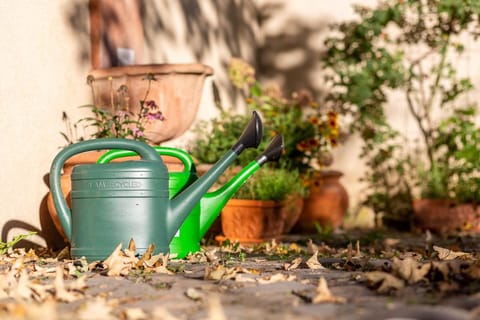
x: 271, y: 184
x: 309, y: 131
x: 410, y: 46
x: 215, y: 137
x: 4, y: 246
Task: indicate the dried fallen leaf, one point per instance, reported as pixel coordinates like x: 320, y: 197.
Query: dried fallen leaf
x: 277, y: 277
x: 118, y: 263
x: 194, y: 294
x: 61, y: 293
x: 311, y: 247
x: 409, y: 269
x: 220, y: 273
x: 313, y: 263
x: 215, y: 310
x: 161, y: 313
x: 447, y: 254
x: 211, y: 255
x: 97, y: 309
x: 293, y: 265
x: 325, y: 295
x: 134, y: 314
x: 384, y: 282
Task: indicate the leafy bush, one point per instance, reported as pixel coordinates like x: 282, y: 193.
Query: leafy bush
x: 271, y: 184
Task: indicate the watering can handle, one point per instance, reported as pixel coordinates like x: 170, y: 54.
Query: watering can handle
x: 188, y: 165
x: 64, y: 214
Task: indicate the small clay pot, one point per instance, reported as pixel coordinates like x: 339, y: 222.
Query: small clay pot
x: 252, y: 221
x: 442, y: 215
x: 326, y: 205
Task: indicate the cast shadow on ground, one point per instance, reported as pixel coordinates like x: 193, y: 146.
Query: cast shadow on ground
x: 47, y: 231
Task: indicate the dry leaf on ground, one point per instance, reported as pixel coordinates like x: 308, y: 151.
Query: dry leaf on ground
x: 409, y: 269
x: 384, y: 282
x: 325, y: 295
x: 98, y: 309
x: 311, y: 247
x: 447, y: 254
x: 277, y: 277
x: 293, y: 265
x: 220, y: 273
x: 134, y: 314
x: 61, y: 292
x: 313, y: 263
x: 215, y: 309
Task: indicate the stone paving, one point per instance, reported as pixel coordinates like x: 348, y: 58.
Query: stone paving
x: 253, y: 285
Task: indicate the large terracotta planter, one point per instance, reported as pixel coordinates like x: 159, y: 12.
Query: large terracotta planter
x: 252, y: 221
x: 441, y: 215
x: 177, y: 91
x: 326, y: 205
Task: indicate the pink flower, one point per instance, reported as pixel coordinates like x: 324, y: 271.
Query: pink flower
x: 137, y: 132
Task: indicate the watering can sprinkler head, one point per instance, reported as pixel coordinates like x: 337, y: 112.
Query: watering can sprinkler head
x: 273, y: 152
x: 251, y: 136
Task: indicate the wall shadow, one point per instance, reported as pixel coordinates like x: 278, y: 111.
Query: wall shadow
x: 297, y: 40
x: 77, y: 19
x: 47, y: 231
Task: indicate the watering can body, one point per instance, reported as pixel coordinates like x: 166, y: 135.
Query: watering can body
x: 116, y: 202
x: 187, y: 239
x: 200, y: 219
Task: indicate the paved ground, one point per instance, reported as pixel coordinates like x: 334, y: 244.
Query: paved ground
x: 273, y: 281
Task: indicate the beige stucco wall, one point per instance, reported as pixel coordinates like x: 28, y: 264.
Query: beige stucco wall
x: 41, y: 76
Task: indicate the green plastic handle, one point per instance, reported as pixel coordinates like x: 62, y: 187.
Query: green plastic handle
x: 64, y: 213
x: 188, y: 164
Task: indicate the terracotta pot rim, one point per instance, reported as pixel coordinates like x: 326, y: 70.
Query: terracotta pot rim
x: 221, y: 238
x: 162, y: 68
x: 328, y: 173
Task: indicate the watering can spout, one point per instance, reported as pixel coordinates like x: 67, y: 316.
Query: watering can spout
x: 212, y: 203
x: 182, y: 204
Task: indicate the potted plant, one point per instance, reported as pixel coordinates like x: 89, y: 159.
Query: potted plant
x: 309, y: 130
x: 116, y: 121
x: 265, y: 207
x: 177, y: 89
x: 450, y: 189
x: 410, y: 49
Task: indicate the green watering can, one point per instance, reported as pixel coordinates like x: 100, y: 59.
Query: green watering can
x: 200, y: 219
x: 115, y: 202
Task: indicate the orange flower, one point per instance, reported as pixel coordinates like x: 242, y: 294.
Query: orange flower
x: 314, y: 120
x: 313, y: 143
x: 332, y: 119
x: 302, y: 146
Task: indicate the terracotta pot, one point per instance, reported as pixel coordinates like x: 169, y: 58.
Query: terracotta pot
x: 291, y: 208
x: 177, y: 91
x: 326, y: 204
x: 442, y: 215
x: 251, y: 221
x: 173, y: 164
